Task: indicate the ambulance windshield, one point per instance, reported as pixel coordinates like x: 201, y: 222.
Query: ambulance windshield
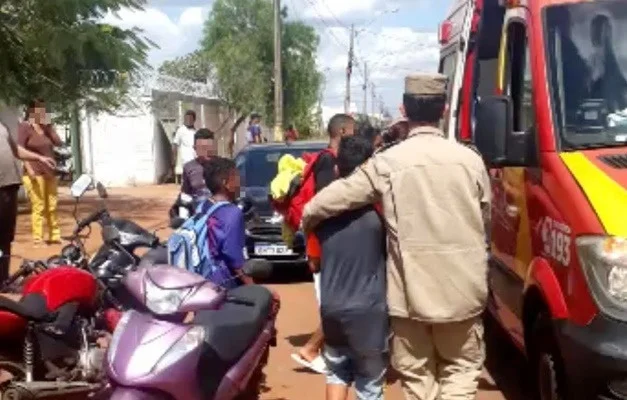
x: 587, y: 55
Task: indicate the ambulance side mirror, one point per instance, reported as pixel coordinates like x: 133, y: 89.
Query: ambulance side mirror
x: 494, y: 120
x: 496, y: 138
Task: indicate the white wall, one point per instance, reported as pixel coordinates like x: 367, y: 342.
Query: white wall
x: 120, y: 149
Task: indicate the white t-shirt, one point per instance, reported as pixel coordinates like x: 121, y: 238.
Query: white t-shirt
x: 184, y: 139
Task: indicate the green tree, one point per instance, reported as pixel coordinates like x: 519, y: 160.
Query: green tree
x: 194, y: 67
x: 63, y: 52
x: 237, y: 51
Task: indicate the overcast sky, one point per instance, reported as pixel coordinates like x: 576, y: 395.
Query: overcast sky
x: 395, y: 37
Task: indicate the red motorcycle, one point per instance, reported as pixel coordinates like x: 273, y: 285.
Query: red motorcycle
x: 55, y: 316
x: 52, y: 333
x: 48, y: 341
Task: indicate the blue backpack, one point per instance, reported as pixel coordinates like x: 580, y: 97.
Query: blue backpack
x: 188, y: 247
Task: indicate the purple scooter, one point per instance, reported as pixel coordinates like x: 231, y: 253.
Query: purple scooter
x: 195, y: 340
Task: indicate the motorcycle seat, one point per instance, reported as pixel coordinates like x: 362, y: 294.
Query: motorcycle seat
x: 31, y: 307
x: 230, y: 331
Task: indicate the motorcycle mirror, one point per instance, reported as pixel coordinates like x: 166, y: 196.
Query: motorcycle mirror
x: 80, y: 186
x: 102, y: 191
x: 258, y: 268
x: 176, y: 222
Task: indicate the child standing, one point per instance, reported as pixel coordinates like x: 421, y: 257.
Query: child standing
x: 353, y: 291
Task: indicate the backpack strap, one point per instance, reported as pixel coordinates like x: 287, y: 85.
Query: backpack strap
x: 308, y: 171
x: 200, y: 210
x: 215, y: 206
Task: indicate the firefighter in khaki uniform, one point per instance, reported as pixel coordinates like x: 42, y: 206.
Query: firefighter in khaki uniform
x: 436, y: 195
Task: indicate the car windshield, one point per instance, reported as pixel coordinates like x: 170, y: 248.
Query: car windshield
x: 260, y: 166
x: 587, y: 54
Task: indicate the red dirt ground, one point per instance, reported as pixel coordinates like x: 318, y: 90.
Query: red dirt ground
x: 298, y: 317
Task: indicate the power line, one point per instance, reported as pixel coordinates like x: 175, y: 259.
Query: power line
x: 340, y: 23
x: 330, y: 28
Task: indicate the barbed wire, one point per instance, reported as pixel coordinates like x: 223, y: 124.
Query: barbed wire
x: 146, y: 81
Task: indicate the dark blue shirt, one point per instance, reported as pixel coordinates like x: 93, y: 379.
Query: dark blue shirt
x: 227, y: 243
x: 353, y: 281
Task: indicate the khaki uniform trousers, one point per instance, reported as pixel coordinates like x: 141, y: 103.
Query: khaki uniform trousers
x: 438, y: 361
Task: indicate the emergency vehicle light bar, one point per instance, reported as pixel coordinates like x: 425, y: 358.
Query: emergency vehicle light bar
x: 444, y: 33
x: 512, y: 3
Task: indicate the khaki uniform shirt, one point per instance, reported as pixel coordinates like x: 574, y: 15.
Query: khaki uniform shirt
x: 436, y: 195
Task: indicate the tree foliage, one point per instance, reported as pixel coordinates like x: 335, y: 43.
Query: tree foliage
x: 194, y: 67
x: 62, y: 51
x: 237, y: 51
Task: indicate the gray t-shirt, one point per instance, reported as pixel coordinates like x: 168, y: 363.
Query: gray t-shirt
x: 9, y: 169
x: 352, y: 281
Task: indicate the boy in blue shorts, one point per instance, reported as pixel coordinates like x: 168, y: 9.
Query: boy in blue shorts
x: 353, y: 291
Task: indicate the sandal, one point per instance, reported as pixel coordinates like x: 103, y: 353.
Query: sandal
x: 316, y: 365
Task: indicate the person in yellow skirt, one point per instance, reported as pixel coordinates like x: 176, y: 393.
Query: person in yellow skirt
x: 40, y: 182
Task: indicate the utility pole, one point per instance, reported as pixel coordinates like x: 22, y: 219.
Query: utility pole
x: 349, y: 71
x: 374, y: 100
x: 278, y: 80
x: 366, y: 89
x: 320, y: 98
x: 75, y: 138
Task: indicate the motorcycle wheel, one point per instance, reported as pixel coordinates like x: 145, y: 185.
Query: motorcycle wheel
x: 11, y: 394
x: 14, y: 369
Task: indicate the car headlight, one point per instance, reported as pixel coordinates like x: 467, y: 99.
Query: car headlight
x: 192, y: 339
x: 117, y: 333
x: 604, y: 263
x: 276, y: 218
x: 163, y: 301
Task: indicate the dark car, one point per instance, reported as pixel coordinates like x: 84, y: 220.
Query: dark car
x: 258, y: 166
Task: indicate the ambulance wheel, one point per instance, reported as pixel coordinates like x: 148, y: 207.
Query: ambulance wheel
x: 547, y: 362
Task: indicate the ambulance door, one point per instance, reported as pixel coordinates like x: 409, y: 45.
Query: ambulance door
x: 511, y: 237
x: 454, y: 35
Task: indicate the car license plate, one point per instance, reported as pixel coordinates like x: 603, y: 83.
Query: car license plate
x: 273, y: 250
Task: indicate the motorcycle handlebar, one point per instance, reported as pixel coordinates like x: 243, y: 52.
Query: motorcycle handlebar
x: 90, y: 219
x: 26, y: 268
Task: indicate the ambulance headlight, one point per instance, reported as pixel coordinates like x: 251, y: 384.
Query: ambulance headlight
x: 604, y: 263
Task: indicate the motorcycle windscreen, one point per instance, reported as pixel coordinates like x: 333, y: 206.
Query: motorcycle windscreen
x: 135, y: 394
x: 147, y: 352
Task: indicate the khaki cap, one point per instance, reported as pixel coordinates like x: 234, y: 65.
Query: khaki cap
x: 426, y: 84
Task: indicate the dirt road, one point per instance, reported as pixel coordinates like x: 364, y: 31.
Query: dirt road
x: 285, y: 380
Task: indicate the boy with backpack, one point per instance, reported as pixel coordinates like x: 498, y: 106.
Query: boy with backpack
x: 353, y: 290
x: 319, y: 173
x: 212, y: 243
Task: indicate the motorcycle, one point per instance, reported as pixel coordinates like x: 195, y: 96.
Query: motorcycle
x: 48, y: 341
x: 198, y: 340
x: 53, y: 313
x: 121, y: 240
